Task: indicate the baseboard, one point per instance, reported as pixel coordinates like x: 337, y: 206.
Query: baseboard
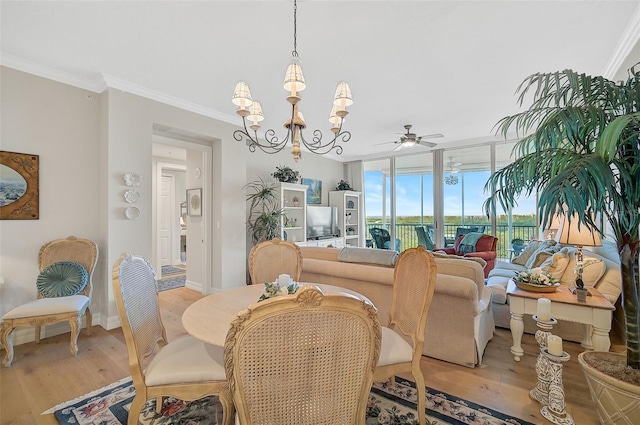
x: 193, y: 285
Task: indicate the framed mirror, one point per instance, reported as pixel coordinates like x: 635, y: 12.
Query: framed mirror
x: 19, y: 191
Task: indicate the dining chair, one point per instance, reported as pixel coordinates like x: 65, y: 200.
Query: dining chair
x: 270, y: 259
x: 414, y: 281
x: 64, y: 288
x: 187, y: 368
x: 306, y: 358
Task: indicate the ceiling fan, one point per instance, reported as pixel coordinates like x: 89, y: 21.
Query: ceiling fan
x: 410, y: 139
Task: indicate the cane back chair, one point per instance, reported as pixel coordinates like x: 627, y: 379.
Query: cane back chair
x: 270, y: 259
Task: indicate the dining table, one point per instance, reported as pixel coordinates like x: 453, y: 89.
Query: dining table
x: 209, y: 318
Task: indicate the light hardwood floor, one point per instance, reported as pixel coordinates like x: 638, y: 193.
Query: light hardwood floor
x: 46, y: 374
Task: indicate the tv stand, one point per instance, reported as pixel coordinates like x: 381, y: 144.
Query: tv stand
x: 327, y: 242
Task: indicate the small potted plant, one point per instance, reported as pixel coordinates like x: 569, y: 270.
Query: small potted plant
x: 350, y: 231
x: 286, y: 174
x: 344, y: 185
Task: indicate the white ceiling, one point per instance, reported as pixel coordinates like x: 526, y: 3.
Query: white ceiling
x: 448, y: 67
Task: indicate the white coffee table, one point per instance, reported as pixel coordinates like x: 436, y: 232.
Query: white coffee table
x: 595, y: 314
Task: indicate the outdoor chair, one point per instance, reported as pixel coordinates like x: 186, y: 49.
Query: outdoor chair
x: 187, y: 368
x: 424, y: 238
x: 270, y: 259
x: 64, y: 292
x: 307, y: 358
x: 475, y: 244
x: 382, y: 239
x: 414, y: 281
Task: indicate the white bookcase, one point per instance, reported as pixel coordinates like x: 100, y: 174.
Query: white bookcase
x: 350, y: 216
x: 293, y: 201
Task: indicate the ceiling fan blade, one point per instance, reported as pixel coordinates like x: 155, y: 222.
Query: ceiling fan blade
x: 432, y: 136
x: 397, y: 148
x: 425, y: 143
x: 386, y: 143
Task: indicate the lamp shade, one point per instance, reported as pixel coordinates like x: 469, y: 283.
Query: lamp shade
x: 572, y: 232
x: 549, y: 230
x: 333, y: 116
x: 242, y: 95
x: 255, y: 112
x: 293, y: 79
x: 343, y: 97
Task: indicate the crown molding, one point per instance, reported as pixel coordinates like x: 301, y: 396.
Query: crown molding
x: 128, y: 87
x: 94, y: 84
x: 630, y: 37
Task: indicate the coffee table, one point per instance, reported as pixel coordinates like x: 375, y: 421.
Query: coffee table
x: 595, y: 314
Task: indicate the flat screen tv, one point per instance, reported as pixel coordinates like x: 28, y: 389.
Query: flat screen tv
x: 322, y: 222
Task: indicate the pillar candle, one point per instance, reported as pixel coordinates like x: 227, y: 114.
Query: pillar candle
x: 544, y: 309
x: 554, y: 345
x: 284, y: 279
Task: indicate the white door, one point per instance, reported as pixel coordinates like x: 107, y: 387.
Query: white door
x: 166, y: 218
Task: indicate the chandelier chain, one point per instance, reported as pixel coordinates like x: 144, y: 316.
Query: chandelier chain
x: 295, y: 29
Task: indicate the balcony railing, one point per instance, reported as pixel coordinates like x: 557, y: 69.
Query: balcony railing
x: 409, y: 239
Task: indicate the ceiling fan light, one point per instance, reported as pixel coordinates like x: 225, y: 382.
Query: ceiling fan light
x: 408, y: 142
x: 294, y: 79
x: 242, y: 95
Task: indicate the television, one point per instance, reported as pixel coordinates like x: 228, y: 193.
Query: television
x: 322, y: 222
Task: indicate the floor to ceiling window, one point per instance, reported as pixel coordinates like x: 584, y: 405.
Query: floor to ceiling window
x: 401, y: 194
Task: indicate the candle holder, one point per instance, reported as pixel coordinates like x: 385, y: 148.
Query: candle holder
x: 555, y: 410
x: 541, y: 392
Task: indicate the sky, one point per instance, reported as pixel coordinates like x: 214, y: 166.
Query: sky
x: 408, y: 195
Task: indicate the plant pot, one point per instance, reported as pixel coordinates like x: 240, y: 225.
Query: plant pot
x: 617, y: 402
x: 581, y: 294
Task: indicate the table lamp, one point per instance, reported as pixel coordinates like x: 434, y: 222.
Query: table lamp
x: 549, y: 230
x: 572, y: 232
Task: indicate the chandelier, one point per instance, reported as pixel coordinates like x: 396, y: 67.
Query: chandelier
x: 251, y: 110
x: 451, y: 179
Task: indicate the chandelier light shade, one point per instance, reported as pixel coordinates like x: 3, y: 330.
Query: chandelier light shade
x: 251, y: 110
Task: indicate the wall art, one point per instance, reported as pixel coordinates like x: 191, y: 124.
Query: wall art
x: 19, y: 191
x: 314, y: 191
x: 194, y: 202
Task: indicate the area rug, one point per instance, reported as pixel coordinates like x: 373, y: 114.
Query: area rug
x: 172, y: 271
x: 389, y: 405
x: 171, y: 283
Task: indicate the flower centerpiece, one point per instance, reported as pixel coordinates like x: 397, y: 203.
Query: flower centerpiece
x: 536, y: 280
x: 273, y: 289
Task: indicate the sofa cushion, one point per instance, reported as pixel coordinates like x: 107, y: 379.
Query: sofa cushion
x: 590, y: 275
x: 498, y: 286
x: 383, y: 257
x: 556, y: 264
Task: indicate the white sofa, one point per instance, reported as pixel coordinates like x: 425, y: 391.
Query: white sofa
x: 604, y: 276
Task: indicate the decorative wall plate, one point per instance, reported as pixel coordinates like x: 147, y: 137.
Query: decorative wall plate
x: 131, y: 196
x: 132, y: 213
x: 350, y: 204
x: 132, y: 179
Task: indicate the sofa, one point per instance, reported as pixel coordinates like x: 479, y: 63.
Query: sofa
x: 559, y: 261
x: 460, y: 320
x: 475, y: 244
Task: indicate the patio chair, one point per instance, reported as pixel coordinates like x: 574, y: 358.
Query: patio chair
x: 382, y: 239
x: 307, y: 358
x: 424, y: 238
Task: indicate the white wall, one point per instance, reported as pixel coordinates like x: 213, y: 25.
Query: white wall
x: 86, y: 145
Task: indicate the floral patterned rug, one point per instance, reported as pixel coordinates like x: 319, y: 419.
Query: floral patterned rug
x: 388, y: 405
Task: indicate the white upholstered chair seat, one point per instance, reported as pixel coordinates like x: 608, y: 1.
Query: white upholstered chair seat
x: 185, y: 360
x: 47, y: 306
x: 394, y: 348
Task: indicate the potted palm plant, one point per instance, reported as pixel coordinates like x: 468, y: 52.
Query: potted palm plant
x: 581, y: 151
x: 265, y: 214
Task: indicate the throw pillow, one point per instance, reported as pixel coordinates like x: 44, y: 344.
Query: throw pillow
x: 590, y: 275
x: 478, y: 260
x: 556, y: 264
x: 545, y: 250
x: 383, y: 257
x: 62, y: 279
x: 526, y: 253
